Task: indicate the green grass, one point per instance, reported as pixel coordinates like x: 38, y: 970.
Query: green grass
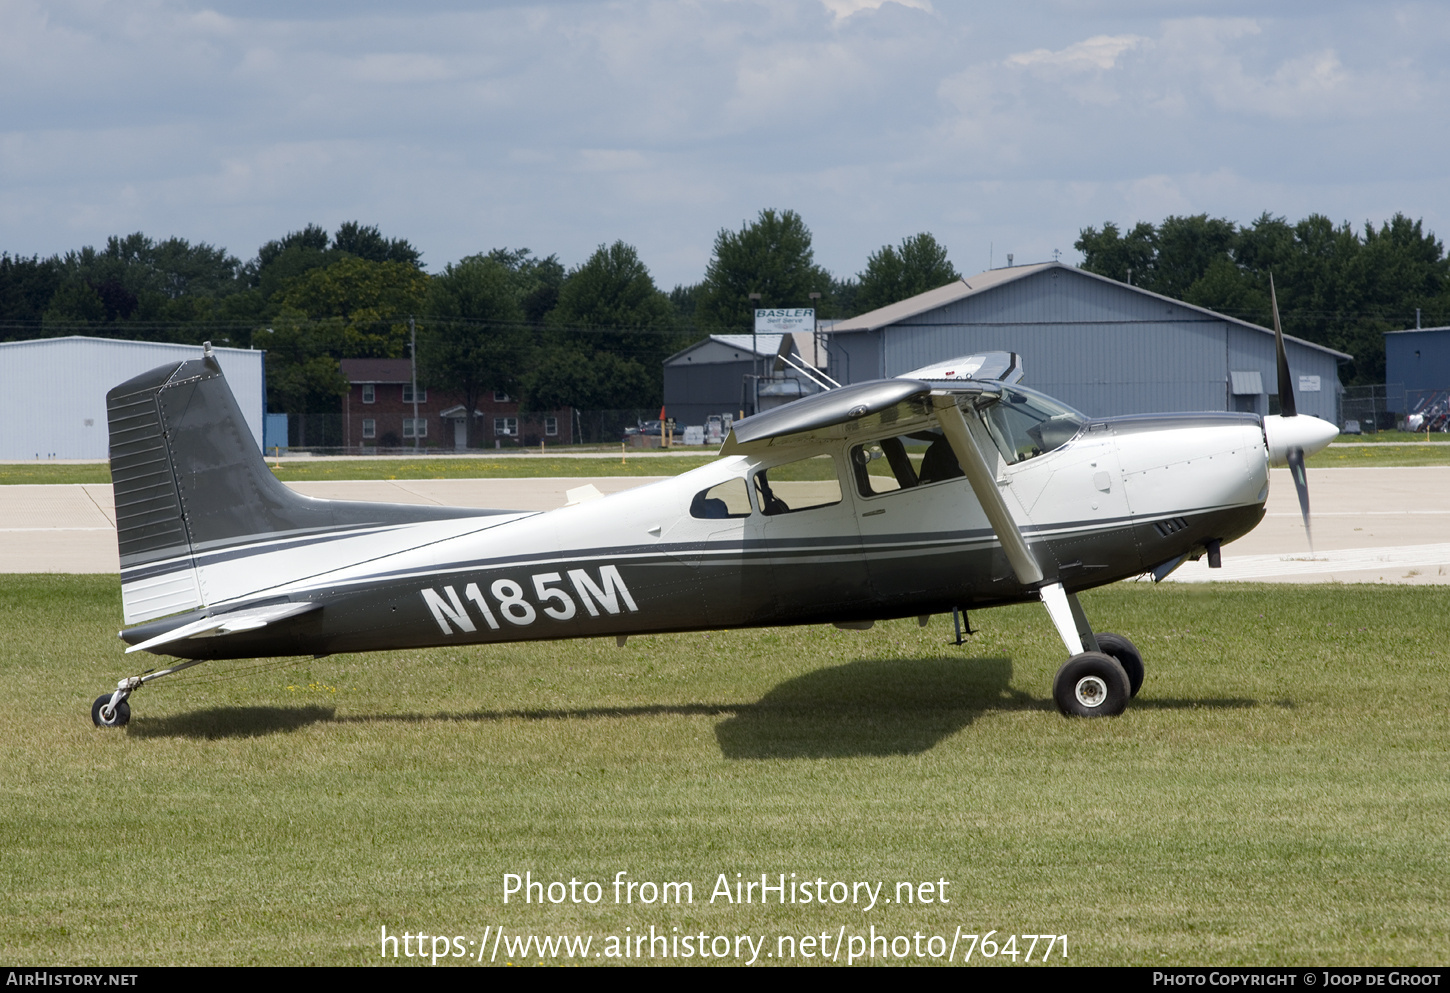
x: 1276, y: 795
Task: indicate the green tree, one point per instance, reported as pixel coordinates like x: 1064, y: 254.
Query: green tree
x: 26, y: 289
x: 537, y: 280
x: 1336, y: 286
x: 772, y: 257
x: 475, y: 338
x: 142, y: 282
x: 367, y: 242
x: 1126, y: 258
x: 369, y: 303
x: 303, y: 375
x: 893, y: 274
x: 612, y: 319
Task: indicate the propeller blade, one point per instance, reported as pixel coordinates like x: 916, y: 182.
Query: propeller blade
x: 1287, y: 407
x: 1301, y: 485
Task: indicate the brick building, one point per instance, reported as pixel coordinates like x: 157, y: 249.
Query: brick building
x: 378, y: 413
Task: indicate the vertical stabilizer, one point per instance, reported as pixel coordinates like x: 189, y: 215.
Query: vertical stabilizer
x: 200, y: 518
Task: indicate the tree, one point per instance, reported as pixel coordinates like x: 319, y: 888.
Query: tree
x: 26, y: 289
x: 1128, y: 259
x: 303, y: 375
x: 537, y: 280
x: 474, y: 338
x: 367, y: 242
x: 892, y: 274
x: 1335, y: 287
x: 772, y: 257
x: 612, y: 319
x: 369, y: 302
x: 136, y: 279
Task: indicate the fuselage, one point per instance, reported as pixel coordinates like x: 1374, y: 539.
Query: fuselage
x: 713, y: 548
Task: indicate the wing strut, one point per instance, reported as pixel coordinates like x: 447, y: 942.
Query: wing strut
x: 1066, y: 613
x: 969, y: 456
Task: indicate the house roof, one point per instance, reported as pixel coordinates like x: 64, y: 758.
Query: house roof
x: 987, y: 281
x: 377, y: 370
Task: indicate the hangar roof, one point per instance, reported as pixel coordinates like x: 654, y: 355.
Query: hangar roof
x: 983, y: 282
x: 719, y: 348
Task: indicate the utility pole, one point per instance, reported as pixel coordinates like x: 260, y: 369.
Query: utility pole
x: 755, y: 352
x: 413, y: 354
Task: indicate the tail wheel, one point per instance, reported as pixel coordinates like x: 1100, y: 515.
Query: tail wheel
x: 107, y: 717
x: 1091, y: 684
x: 1128, y: 657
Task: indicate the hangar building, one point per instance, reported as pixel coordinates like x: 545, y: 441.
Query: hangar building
x: 731, y: 374
x: 1099, y: 345
x: 1419, y: 361
x: 53, y: 390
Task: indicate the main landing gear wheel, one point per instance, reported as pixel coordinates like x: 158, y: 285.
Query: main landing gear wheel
x: 107, y: 717
x: 1128, y: 657
x: 1091, y: 684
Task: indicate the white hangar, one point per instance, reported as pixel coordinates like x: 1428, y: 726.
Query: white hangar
x: 53, y: 391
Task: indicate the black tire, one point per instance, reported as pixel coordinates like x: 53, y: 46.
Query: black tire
x: 1128, y: 657
x: 1091, y: 685
x: 119, y: 716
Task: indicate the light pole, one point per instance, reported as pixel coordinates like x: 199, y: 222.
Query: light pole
x: 413, y: 355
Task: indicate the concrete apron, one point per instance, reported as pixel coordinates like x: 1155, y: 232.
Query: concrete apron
x: 1375, y: 525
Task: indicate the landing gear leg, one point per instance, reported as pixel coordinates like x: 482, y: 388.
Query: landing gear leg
x: 111, y: 709
x: 1104, y: 671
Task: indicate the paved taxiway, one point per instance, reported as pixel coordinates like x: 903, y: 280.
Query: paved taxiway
x: 1389, y: 525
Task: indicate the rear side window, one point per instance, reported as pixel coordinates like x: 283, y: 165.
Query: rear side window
x: 724, y: 500
x: 903, y: 463
x: 795, y: 486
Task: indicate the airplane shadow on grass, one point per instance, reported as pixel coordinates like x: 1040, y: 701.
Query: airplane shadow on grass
x: 870, y: 707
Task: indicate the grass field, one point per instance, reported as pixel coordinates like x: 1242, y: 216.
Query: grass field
x: 1277, y: 794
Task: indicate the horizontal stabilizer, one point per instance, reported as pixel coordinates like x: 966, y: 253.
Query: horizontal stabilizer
x: 220, y: 625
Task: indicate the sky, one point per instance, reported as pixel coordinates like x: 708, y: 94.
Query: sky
x: 560, y: 126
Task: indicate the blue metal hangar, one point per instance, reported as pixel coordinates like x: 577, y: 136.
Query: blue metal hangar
x: 1099, y: 345
x: 1419, y: 361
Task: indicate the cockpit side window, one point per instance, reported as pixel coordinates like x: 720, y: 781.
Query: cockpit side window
x: 795, y: 486
x: 722, y: 501
x: 1025, y: 424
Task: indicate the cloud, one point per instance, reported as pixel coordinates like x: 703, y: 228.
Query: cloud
x: 842, y: 9
x: 1097, y: 53
x: 561, y: 125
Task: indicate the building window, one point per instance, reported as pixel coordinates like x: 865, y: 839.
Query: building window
x: 551, y: 426
x: 370, y: 394
x: 506, y: 427
x: 499, y: 396
x: 408, y: 395
x: 415, y: 428
x: 370, y: 427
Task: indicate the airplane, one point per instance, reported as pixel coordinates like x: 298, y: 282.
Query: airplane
x: 950, y: 488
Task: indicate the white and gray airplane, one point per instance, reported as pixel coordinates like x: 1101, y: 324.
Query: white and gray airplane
x: 950, y: 488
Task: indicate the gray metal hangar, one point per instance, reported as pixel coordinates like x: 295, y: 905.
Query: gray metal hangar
x: 1101, y: 346
x: 731, y: 374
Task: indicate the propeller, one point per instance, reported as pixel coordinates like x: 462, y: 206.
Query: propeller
x: 1289, y: 435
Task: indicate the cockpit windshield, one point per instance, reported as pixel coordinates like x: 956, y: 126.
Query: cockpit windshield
x: 1025, y: 423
